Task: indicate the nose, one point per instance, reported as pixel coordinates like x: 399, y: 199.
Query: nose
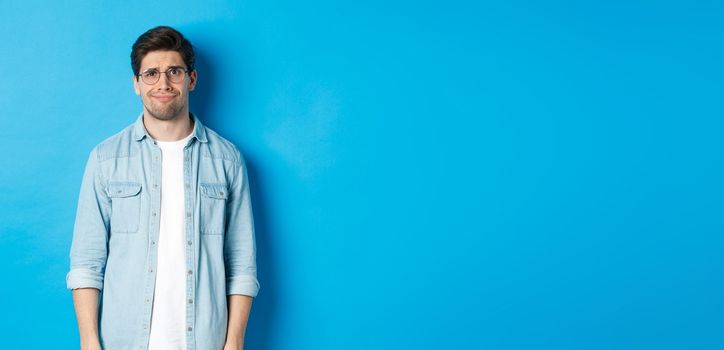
x: 163, y: 83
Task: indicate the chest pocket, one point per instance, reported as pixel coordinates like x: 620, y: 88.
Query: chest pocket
x: 125, y: 206
x: 213, y: 208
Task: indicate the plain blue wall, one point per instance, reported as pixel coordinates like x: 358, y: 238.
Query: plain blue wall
x: 426, y: 175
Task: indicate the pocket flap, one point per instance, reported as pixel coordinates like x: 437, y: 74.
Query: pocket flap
x: 123, y: 189
x: 217, y: 190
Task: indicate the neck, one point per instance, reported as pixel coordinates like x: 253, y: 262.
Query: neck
x: 168, y: 130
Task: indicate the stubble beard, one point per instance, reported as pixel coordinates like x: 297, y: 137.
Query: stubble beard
x: 169, y: 111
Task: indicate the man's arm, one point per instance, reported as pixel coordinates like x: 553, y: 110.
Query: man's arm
x: 239, y: 307
x: 239, y: 258
x: 86, y: 311
x: 89, y: 252
x: 239, y: 239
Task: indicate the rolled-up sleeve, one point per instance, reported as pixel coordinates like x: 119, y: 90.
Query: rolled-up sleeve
x: 239, y: 240
x: 89, y: 250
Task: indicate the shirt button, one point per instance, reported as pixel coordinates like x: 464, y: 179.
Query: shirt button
x: 191, y: 301
x: 189, y: 242
x: 189, y: 272
x: 153, y: 242
x: 222, y: 193
x: 153, y: 214
x: 150, y: 270
x: 188, y: 214
x: 155, y: 185
x: 189, y: 329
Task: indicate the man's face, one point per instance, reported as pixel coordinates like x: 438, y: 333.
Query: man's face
x: 164, y: 100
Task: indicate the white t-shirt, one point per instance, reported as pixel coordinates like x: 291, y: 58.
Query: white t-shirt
x: 168, y: 317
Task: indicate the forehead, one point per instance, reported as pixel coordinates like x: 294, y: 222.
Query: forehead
x: 162, y: 59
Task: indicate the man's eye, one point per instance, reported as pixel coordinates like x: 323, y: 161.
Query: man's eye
x: 174, y: 71
x: 150, y: 74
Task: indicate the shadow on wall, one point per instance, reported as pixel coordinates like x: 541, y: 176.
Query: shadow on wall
x: 202, y: 99
x: 204, y: 104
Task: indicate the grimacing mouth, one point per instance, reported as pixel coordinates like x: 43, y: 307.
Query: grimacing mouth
x: 161, y: 95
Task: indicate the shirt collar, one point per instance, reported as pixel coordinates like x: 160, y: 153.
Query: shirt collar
x: 139, y: 130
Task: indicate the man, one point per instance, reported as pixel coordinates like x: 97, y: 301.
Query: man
x: 163, y: 253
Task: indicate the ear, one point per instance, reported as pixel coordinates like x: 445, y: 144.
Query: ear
x: 135, y: 85
x: 192, y: 80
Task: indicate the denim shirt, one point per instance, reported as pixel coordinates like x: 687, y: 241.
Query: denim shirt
x: 117, y: 226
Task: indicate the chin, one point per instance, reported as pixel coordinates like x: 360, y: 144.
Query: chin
x: 168, y: 113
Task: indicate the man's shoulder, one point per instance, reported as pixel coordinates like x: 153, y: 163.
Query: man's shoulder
x: 221, y: 148
x: 120, y: 145
x: 116, y: 145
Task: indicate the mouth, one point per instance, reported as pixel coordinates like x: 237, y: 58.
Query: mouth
x: 163, y: 98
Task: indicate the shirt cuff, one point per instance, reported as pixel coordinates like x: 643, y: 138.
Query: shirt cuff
x: 84, y: 278
x: 243, y: 285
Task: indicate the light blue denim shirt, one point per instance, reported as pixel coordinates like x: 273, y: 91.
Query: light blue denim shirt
x: 117, y: 225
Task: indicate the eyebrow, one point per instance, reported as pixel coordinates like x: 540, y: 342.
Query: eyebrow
x: 156, y: 68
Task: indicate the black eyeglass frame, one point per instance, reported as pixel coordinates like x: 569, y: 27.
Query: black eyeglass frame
x: 143, y: 78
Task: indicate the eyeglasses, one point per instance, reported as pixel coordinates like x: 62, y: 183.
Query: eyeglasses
x: 173, y: 74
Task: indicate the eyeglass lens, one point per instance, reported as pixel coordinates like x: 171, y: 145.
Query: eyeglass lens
x: 151, y: 76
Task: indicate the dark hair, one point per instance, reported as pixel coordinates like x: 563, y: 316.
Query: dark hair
x: 161, y: 38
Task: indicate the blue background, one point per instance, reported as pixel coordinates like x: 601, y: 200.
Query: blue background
x: 452, y: 175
